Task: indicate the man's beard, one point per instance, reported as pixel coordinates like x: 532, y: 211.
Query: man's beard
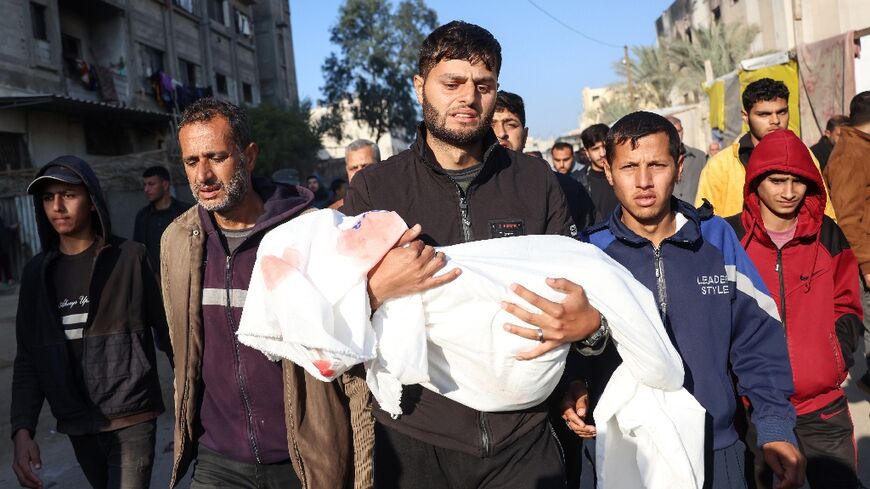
x: 234, y: 191
x: 436, y: 124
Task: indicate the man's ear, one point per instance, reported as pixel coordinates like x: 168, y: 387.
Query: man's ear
x: 418, y: 88
x: 680, y: 167
x: 745, y: 116
x: 608, y: 173
x: 251, y: 153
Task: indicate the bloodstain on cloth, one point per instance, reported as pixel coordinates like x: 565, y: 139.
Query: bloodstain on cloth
x: 276, y: 269
x: 370, y: 238
x: 325, y: 367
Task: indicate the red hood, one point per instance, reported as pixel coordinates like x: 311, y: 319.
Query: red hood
x: 783, y: 152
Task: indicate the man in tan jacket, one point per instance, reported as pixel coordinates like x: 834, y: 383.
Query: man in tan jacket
x: 243, y: 420
x: 848, y: 175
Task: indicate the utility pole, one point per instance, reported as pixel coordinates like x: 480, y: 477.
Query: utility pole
x: 627, y: 62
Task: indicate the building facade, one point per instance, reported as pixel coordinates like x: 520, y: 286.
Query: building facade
x: 784, y: 24
x: 106, y: 80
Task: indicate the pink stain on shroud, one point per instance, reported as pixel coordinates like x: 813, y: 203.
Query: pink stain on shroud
x: 371, y: 239
x: 276, y: 269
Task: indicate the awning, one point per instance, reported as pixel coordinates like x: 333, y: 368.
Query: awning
x: 66, y: 104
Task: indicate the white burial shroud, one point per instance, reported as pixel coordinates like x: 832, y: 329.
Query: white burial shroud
x: 308, y: 302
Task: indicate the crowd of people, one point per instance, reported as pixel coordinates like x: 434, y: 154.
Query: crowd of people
x: 758, y: 263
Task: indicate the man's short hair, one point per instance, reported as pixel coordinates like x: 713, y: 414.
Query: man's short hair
x: 512, y: 103
x: 859, y: 109
x: 364, y: 143
x: 207, y: 109
x: 562, y: 145
x: 836, y: 121
x: 637, y: 125
x: 594, y: 134
x: 459, y: 40
x: 156, y: 171
x: 763, y: 90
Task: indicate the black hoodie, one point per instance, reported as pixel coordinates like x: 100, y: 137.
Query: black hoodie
x: 116, y: 383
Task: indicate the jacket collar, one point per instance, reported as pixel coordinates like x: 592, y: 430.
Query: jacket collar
x: 687, y: 235
x: 493, y: 155
x: 744, y: 148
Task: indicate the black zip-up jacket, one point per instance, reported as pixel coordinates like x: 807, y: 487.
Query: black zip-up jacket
x: 118, y: 362
x: 140, y: 229
x: 514, y: 194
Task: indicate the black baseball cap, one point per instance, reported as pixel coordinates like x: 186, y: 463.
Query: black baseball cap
x: 54, y: 173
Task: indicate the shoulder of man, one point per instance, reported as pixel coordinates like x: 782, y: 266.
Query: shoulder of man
x: 831, y: 237
x: 181, y: 226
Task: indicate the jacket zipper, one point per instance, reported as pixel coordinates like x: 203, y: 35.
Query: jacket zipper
x: 245, y: 401
x: 464, y: 215
x: 660, y: 282
x: 485, y: 436
x: 781, y: 285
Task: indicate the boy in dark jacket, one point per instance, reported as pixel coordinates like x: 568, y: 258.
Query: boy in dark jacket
x: 84, y: 342
x: 806, y: 263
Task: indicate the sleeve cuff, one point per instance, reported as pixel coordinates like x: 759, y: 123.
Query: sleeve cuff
x: 772, y: 428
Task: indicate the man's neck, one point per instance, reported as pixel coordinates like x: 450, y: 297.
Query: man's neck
x: 244, y: 215
x: 163, y: 202
x: 454, y: 157
x: 73, y: 245
x: 656, y: 232
x: 865, y: 128
x: 775, y: 223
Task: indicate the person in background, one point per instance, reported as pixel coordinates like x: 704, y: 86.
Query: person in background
x: 822, y: 149
x: 765, y: 109
x: 693, y: 162
x: 848, y: 173
x: 161, y: 210
x: 321, y: 194
x: 713, y: 149
x: 599, y: 188
x: 357, y: 155
x: 509, y: 125
x: 806, y: 264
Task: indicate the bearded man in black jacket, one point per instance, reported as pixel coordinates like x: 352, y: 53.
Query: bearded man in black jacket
x: 458, y: 185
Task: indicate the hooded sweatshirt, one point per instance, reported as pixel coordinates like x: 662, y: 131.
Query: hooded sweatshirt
x: 114, y: 382
x: 811, y: 277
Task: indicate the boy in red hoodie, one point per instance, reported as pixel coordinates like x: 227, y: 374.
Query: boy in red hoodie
x: 805, y: 261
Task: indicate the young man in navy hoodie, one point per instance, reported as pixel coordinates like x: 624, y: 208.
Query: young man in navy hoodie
x: 712, y: 301
x: 86, y: 310
x: 806, y: 263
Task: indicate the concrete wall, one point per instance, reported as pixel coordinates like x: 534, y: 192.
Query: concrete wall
x: 51, y: 135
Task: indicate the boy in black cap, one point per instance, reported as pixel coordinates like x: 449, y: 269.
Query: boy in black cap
x: 86, y: 308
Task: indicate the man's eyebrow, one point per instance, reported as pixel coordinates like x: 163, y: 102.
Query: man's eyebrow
x: 453, y: 77
x: 484, y: 79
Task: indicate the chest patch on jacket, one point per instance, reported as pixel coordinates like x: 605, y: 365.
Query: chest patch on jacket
x: 714, y: 284
x: 505, y: 228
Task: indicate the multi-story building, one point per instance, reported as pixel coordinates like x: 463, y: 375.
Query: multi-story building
x: 783, y: 23
x: 106, y: 79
